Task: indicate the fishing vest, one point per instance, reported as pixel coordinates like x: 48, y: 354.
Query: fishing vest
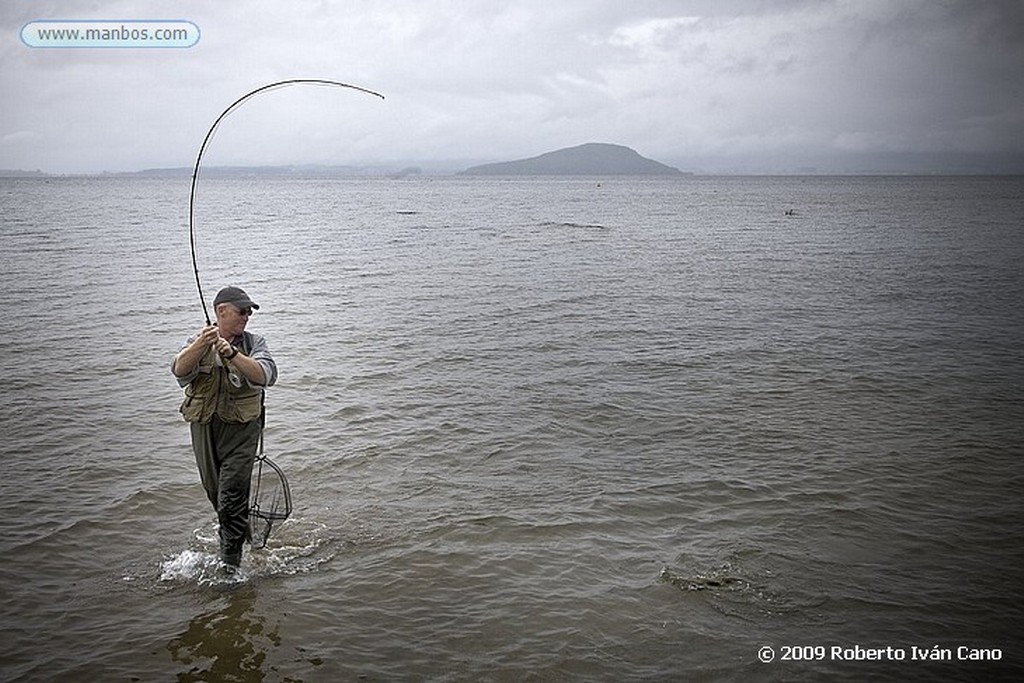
x: 221, y: 390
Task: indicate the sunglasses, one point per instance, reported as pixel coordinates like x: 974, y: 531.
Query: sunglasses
x: 245, y: 311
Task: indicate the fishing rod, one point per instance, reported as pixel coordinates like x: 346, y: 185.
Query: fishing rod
x: 209, y: 135
x: 270, y: 500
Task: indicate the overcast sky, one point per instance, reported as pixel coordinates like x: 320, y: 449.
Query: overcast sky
x: 710, y: 86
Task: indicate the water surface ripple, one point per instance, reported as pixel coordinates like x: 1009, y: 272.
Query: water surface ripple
x: 536, y: 429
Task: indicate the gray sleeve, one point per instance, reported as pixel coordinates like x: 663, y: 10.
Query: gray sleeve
x: 187, y: 379
x: 261, y: 354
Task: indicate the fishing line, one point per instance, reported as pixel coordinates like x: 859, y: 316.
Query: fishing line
x: 206, y: 141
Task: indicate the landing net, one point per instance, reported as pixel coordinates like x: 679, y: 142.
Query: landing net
x: 270, y: 500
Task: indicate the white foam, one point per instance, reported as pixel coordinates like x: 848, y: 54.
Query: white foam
x: 186, y: 565
x: 296, y: 547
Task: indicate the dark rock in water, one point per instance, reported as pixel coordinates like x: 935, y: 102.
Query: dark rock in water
x: 593, y: 158
x: 700, y: 583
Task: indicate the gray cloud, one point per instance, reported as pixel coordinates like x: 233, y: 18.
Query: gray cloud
x: 705, y: 85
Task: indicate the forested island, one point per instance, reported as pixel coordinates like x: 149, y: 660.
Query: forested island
x: 592, y: 158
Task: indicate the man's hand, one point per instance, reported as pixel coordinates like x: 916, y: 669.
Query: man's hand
x: 224, y: 347
x: 207, y: 337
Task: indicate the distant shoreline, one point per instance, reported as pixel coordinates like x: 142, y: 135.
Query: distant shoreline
x: 266, y: 172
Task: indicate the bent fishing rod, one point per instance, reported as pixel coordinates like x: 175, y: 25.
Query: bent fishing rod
x: 209, y: 135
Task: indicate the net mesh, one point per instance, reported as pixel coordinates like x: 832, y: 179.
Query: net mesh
x: 270, y: 500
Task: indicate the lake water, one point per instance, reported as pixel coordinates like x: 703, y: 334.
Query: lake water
x: 536, y: 429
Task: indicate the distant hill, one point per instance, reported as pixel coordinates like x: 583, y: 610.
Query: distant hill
x: 593, y: 158
x: 305, y: 170
x: 18, y: 173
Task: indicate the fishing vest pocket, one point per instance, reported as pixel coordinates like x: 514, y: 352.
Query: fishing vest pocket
x: 241, y: 407
x: 201, y: 395
x: 196, y: 407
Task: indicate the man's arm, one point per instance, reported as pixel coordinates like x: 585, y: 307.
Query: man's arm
x: 188, y: 358
x: 259, y: 366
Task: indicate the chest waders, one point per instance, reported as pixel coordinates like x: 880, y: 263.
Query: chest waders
x: 248, y: 490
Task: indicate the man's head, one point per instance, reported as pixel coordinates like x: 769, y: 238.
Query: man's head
x: 236, y: 296
x: 233, y: 308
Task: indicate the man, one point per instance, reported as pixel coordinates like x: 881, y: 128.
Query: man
x: 224, y: 370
